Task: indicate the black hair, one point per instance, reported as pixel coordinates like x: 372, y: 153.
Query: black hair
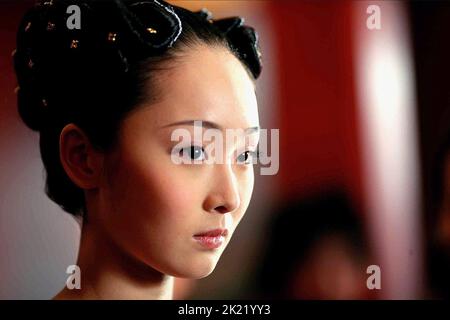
x: 94, y: 76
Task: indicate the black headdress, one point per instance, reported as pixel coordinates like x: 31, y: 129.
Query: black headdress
x: 115, y: 32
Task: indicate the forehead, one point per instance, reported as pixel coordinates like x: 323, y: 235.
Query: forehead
x: 207, y: 83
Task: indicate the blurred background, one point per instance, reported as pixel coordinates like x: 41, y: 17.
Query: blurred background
x: 359, y: 92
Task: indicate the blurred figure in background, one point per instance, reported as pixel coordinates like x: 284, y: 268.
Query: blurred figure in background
x: 316, y: 250
x: 438, y: 221
x: 430, y: 22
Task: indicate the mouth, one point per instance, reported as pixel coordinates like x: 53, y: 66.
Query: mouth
x: 211, y: 239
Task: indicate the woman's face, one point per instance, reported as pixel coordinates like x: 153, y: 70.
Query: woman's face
x: 150, y: 206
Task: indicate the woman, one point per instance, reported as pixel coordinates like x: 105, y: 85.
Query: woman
x: 106, y: 84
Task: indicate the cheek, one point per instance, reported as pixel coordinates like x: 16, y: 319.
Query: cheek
x: 246, y: 183
x: 154, y: 192
x: 155, y: 207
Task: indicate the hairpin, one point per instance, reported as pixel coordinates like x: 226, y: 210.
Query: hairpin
x: 50, y: 26
x: 112, y: 36
x: 74, y: 44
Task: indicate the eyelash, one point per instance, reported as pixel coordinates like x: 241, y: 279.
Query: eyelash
x: 250, y: 156
x: 191, y: 150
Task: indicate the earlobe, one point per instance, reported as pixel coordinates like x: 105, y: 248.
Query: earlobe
x: 80, y: 161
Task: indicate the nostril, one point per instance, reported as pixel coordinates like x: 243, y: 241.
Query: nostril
x: 221, y: 209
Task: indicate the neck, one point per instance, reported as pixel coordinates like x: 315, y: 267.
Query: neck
x: 107, y: 272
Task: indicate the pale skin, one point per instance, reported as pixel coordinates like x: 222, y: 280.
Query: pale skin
x: 144, y: 209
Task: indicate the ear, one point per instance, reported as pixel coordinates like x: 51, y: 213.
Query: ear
x: 82, y: 163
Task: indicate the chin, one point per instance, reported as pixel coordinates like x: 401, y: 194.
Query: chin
x: 196, y: 269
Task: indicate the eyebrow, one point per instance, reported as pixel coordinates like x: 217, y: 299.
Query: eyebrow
x: 208, y: 124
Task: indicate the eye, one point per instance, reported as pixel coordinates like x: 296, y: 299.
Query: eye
x: 247, y: 157
x: 193, y: 152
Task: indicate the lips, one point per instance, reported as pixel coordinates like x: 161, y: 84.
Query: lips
x: 213, y: 233
x: 211, y: 239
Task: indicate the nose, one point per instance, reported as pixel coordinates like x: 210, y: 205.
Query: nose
x: 223, y: 196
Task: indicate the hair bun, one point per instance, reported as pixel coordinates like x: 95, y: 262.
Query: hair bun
x: 244, y: 40
x: 154, y: 23
x: 204, y: 14
x: 31, y: 109
x: 50, y: 56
